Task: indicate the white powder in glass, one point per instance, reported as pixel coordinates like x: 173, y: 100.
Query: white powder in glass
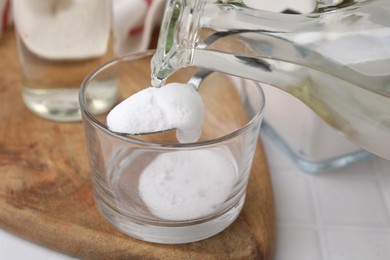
x: 187, y: 185
x: 173, y: 106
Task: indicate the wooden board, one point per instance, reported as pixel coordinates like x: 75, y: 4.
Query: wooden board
x: 46, y: 195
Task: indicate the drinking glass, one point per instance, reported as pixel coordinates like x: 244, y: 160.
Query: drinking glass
x: 156, y: 189
x: 59, y: 43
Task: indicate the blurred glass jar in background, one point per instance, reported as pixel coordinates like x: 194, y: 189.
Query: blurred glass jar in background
x: 59, y: 43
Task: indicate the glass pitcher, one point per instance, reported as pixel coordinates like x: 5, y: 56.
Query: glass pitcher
x: 336, y: 59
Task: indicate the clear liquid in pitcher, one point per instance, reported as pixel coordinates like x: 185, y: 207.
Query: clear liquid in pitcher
x: 337, y: 61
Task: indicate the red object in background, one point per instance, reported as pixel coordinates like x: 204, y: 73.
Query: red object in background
x: 140, y: 28
x: 5, y: 13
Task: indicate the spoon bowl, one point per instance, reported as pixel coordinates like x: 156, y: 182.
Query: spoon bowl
x: 196, y: 79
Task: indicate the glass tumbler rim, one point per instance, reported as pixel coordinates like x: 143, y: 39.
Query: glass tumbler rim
x: 127, y: 138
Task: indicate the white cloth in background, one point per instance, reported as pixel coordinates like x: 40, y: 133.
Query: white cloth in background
x: 134, y: 21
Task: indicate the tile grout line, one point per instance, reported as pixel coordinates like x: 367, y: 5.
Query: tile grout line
x: 335, y: 227
x: 381, y: 181
x: 323, y: 243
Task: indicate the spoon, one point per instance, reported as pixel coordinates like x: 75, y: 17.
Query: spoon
x: 183, y: 100
x: 196, y: 79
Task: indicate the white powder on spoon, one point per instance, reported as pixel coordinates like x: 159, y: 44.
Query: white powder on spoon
x: 173, y: 106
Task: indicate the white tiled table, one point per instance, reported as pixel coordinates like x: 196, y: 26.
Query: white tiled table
x: 342, y: 214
